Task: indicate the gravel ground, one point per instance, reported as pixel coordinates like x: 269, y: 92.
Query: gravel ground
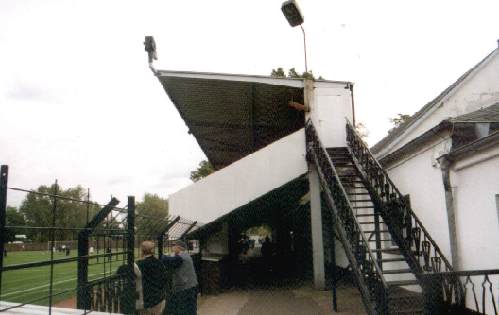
x: 280, y: 301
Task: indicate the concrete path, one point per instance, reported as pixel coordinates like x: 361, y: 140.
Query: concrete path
x: 301, y: 301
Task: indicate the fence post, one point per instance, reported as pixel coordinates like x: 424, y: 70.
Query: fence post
x: 83, y: 294
x: 161, y: 236
x: 129, y: 294
x: 4, y: 174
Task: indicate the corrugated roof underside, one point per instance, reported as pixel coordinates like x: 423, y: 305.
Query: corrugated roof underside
x: 232, y: 119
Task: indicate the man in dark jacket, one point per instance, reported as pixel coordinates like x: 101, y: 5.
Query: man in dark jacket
x: 151, y: 282
x: 184, y: 298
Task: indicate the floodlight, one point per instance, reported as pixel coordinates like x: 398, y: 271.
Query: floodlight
x: 292, y: 13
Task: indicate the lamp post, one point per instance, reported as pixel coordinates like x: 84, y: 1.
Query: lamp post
x: 292, y: 13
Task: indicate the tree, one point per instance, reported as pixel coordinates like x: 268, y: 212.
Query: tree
x: 13, y: 218
x: 292, y: 73
x: 37, y: 209
x: 152, y: 212
x: 399, y: 120
x: 278, y: 73
x: 204, y: 169
x: 362, y: 130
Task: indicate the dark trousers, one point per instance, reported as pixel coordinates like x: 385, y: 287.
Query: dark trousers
x: 184, y: 302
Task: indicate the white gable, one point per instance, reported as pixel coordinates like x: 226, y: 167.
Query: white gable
x: 479, y: 89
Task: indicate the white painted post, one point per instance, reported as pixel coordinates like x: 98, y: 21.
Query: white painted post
x: 315, y: 199
x: 316, y: 227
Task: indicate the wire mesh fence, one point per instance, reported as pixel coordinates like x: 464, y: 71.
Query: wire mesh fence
x: 81, y: 255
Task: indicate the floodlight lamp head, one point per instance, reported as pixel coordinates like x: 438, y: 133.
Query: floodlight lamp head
x: 292, y: 13
x: 150, y: 47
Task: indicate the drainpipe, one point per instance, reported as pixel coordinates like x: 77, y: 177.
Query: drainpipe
x: 449, y: 204
x: 350, y: 86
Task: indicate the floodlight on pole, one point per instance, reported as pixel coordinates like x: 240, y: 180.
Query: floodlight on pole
x: 150, y: 47
x: 293, y: 14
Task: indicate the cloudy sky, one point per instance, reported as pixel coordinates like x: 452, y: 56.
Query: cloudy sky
x: 78, y: 102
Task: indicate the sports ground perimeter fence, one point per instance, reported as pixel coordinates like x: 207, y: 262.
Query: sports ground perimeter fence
x: 89, y: 265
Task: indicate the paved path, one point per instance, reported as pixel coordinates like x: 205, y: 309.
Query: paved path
x: 301, y: 301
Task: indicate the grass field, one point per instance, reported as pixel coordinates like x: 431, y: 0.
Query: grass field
x: 33, y: 283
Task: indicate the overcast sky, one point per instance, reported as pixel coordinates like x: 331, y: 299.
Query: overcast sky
x: 78, y: 102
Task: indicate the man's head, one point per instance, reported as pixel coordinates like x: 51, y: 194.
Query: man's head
x: 179, y: 246
x: 147, y: 248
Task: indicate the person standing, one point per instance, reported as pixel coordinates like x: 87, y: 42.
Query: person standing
x: 150, y: 282
x: 184, y: 298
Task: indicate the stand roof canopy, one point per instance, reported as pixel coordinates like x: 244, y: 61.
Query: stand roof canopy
x: 232, y: 116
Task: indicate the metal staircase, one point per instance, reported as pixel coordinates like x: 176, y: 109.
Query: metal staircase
x: 386, y: 244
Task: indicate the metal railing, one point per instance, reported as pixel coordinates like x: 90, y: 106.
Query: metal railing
x: 420, y: 250
x: 106, y: 238
x: 368, y: 274
x: 109, y: 294
x: 478, y: 297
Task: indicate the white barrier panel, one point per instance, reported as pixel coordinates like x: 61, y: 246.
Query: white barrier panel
x: 243, y: 180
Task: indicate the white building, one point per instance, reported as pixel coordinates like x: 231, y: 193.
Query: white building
x: 446, y: 158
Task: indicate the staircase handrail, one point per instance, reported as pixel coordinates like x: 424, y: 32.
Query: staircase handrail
x: 358, y: 226
x: 400, y: 196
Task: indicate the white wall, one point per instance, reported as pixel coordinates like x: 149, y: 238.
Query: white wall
x: 476, y: 181
x: 481, y: 89
x: 330, y: 105
x: 243, y: 180
x: 421, y: 178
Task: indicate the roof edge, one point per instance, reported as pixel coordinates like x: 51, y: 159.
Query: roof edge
x: 295, y: 82
x: 399, y: 131
x: 477, y: 145
x: 415, y: 143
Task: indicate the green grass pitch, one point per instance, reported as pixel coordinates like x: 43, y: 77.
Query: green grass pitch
x: 28, y: 284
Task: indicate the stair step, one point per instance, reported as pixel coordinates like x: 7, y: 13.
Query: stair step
x: 354, y: 194
x: 392, y: 251
x: 364, y: 207
x: 392, y: 259
x: 361, y: 200
x: 400, y: 283
x: 370, y: 222
x: 396, y: 271
x: 418, y: 310
x: 365, y: 215
x: 380, y: 240
x: 340, y: 157
x: 374, y: 231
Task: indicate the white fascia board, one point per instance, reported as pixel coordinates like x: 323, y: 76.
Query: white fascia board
x: 231, y: 77
x: 420, y: 120
x: 476, y: 158
x: 244, y: 78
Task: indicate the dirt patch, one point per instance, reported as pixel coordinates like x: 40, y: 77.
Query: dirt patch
x: 68, y: 303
